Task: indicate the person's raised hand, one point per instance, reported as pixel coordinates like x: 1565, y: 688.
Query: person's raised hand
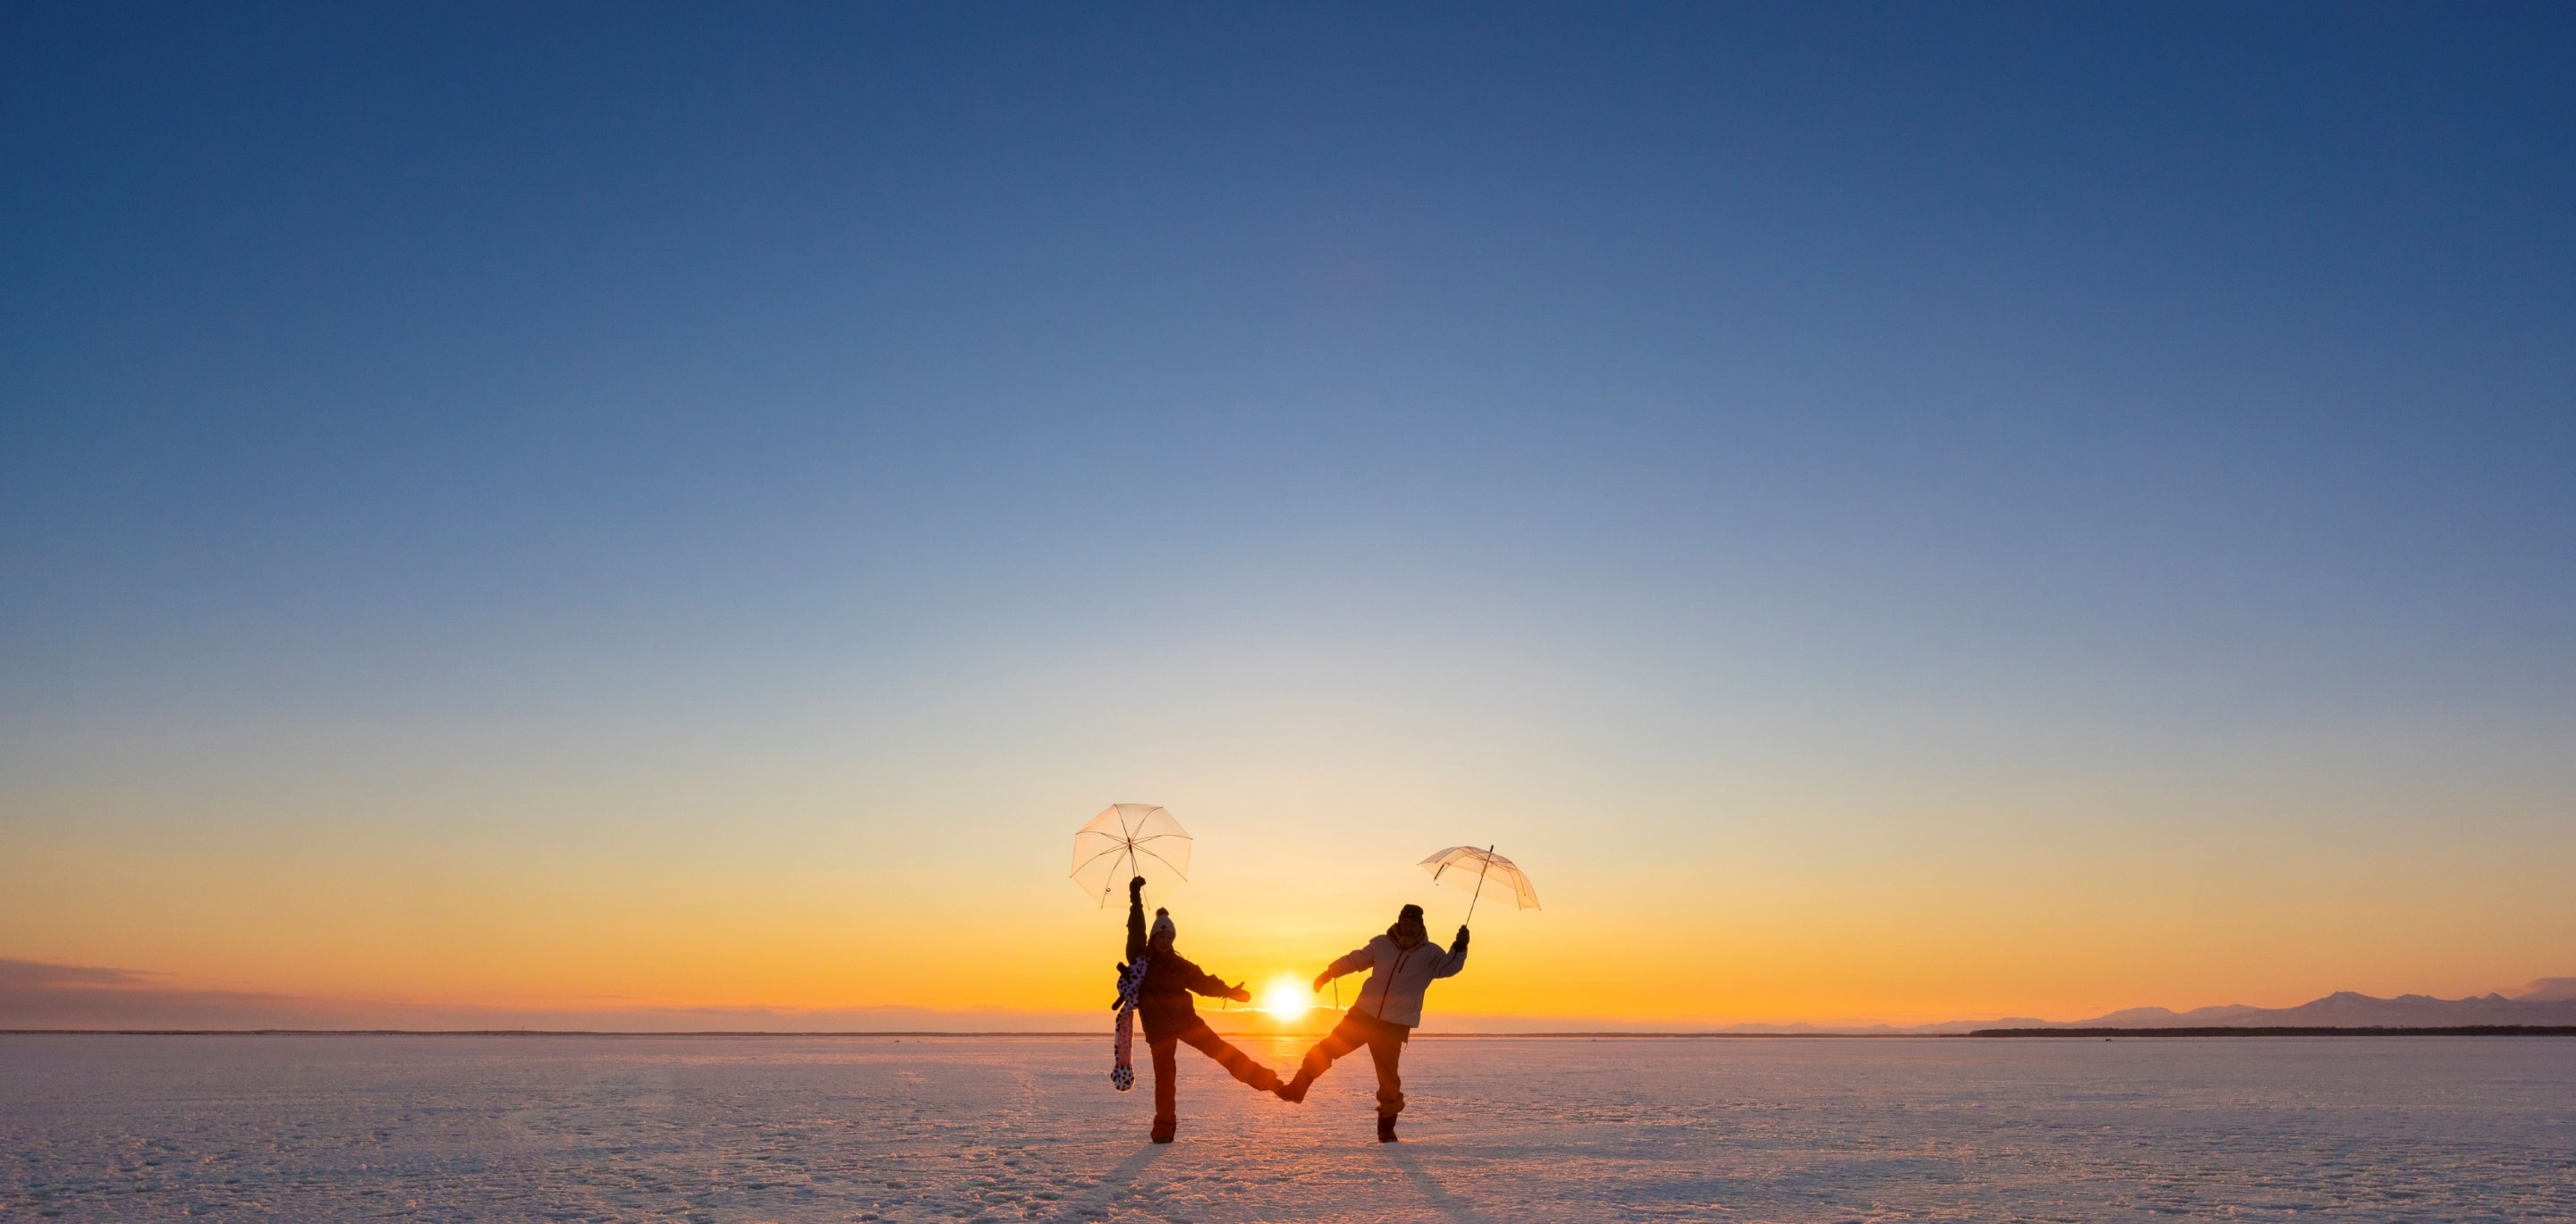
x: 1136, y: 888
x: 1462, y: 937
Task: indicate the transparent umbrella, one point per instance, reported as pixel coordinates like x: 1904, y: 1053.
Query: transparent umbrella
x: 1127, y: 840
x: 1470, y: 868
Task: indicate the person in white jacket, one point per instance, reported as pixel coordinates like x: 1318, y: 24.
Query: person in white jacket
x: 1402, y: 964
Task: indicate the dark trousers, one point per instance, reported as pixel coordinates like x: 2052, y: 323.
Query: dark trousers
x: 1167, y: 1071
x: 1385, y: 1044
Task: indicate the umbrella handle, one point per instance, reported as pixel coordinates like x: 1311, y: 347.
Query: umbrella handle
x: 1487, y: 865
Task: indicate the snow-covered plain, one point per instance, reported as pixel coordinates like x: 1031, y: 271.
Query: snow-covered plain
x: 947, y: 1129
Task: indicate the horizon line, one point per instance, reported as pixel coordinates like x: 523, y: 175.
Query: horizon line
x: 2461, y: 1030
x: 889, y: 1033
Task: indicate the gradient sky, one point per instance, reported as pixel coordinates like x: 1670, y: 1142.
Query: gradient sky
x: 1887, y: 511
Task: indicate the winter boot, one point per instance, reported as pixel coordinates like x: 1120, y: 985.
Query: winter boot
x: 1386, y: 1128
x: 1163, y: 1128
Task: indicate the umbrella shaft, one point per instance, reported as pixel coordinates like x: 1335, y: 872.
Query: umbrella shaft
x: 1486, y: 866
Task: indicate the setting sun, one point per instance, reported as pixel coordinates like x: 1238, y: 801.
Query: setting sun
x: 1287, y: 999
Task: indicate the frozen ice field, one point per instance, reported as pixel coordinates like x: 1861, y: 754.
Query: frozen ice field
x: 727, y: 1129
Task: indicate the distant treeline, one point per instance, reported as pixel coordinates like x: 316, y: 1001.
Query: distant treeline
x: 2457, y: 1030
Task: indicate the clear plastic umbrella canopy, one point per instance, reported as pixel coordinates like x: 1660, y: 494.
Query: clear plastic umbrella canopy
x: 1481, y: 872
x: 1125, y: 841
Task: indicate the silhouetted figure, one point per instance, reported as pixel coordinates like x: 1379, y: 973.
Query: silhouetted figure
x: 1402, y: 965
x: 1170, y: 1018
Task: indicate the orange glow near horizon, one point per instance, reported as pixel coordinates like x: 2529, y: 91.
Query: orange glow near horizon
x: 1764, y: 923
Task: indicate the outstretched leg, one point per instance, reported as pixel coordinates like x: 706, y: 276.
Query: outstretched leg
x: 1166, y: 1080
x: 1235, y: 1061
x: 1354, y: 1031
x: 1317, y: 1061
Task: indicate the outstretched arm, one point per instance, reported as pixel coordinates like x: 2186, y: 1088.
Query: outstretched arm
x: 1135, y: 919
x: 1214, y: 987
x: 1352, y: 963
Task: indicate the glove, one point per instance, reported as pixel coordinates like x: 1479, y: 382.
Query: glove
x: 1462, y: 937
x: 1136, y: 888
x: 1322, y: 978
x: 1239, y: 994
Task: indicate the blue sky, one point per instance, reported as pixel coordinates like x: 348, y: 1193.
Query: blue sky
x: 1684, y: 402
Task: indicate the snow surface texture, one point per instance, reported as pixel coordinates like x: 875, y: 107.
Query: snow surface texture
x: 949, y: 1129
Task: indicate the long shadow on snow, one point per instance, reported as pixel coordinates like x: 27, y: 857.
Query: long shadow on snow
x: 1450, y: 1206
x: 1117, y: 1180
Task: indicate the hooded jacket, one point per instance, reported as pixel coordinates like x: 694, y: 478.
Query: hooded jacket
x: 1164, y: 998
x: 1398, y: 977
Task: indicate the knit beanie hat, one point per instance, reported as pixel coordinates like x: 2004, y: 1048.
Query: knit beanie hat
x: 1163, y: 928
x: 1409, y: 916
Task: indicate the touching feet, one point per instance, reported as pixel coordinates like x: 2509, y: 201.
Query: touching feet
x: 1294, y: 1091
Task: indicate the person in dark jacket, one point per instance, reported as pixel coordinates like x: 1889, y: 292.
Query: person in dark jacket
x: 1170, y: 1018
x: 1402, y: 964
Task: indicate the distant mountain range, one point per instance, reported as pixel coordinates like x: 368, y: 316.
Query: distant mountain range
x: 2547, y: 1001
